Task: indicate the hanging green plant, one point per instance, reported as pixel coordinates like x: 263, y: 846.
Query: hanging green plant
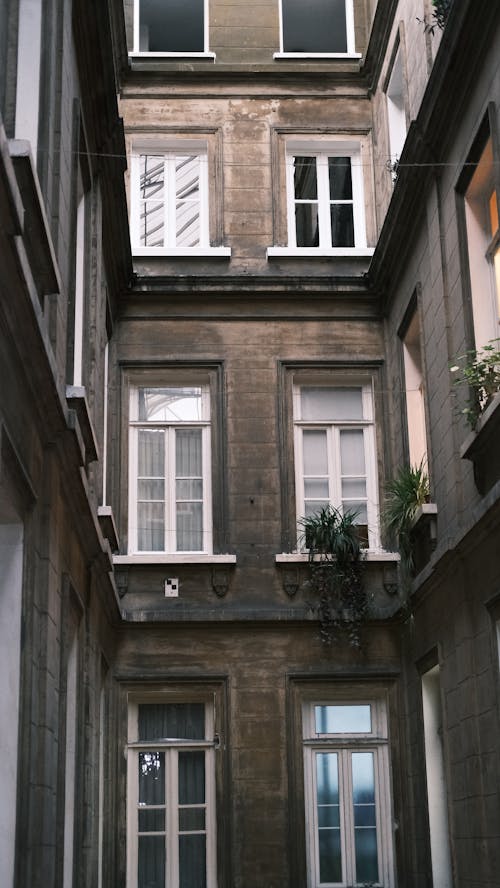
x: 408, y: 490
x: 335, y: 566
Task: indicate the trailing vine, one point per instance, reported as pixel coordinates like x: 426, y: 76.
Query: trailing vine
x: 336, y: 574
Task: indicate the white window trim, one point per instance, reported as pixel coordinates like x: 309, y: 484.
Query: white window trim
x: 322, y: 149
x: 333, y: 428
x: 351, y: 48
x: 180, y: 54
x: 170, y: 748
x: 170, y: 498
x: 374, y: 741
x: 171, y: 149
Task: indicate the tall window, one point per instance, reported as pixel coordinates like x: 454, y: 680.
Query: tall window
x: 346, y: 792
x: 171, y: 796
x: 169, y: 200
x: 170, y: 26
x: 169, y: 453
x: 325, y: 199
x: 414, y: 390
x: 437, y: 797
x: 396, y: 114
x: 317, y: 27
x: 335, y: 453
x: 483, y: 240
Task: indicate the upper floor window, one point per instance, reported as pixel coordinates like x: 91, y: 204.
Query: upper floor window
x: 415, y: 393
x: 348, y: 827
x: 483, y: 243
x: 325, y: 200
x: 317, y: 27
x: 171, y: 795
x: 170, y: 469
x: 170, y: 27
x: 396, y: 113
x: 335, y: 453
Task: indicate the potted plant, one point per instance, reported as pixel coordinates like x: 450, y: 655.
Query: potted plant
x: 480, y: 371
x: 408, y: 490
x: 335, y: 565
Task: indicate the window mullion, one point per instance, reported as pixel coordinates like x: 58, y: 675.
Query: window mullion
x: 172, y: 798
x: 325, y: 228
x: 334, y: 466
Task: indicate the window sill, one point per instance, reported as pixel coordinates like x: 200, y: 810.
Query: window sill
x: 375, y: 555
x: 173, y: 558
x: 318, y: 252
x: 191, y: 253
x: 283, y: 56
x: 175, y: 56
x: 76, y: 398
x: 108, y: 526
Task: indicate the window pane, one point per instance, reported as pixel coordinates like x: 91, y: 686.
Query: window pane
x: 304, y: 177
x: 192, y: 820
x: 342, y: 223
x: 365, y: 836
x: 152, y: 200
x: 306, y: 225
x: 315, y: 26
x: 152, y: 224
x: 316, y: 489
x: 188, y: 453
x: 189, y: 524
x: 150, y: 527
x: 151, y: 862
x: 152, y: 176
x: 359, y: 508
x: 171, y: 26
x: 192, y: 862
x: 353, y: 489
x: 191, y: 777
x: 343, y: 719
x: 151, y: 453
x: 152, y: 821
x: 314, y: 452
x: 321, y: 403
x: 189, y: 489
x: 352, y: 452
x: 151, y: 778
x: 175, y: 404
x: 187, y: 177
x: 339, y: 174
x: 172, y: 721
x: 327, y: 788
x: 151, y: 490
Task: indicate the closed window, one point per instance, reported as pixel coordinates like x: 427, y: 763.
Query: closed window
x: 415, y: 393
x: 348, y: 829
x: 335, y: 454
x: 325, y: 199
x: 171, y: 795
x: 317, y: 27
x: 169, y: 471
x: 169, y: 200
x: 483, y: 242
x: 170, y: 26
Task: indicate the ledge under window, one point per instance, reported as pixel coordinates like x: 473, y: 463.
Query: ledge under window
x: 176, y: 253
x: 318, y: 252
x: 173, y: 558
x: 317, y: 55
x: 175, y: 56
x: 481, y: 447
x: 366, y: 555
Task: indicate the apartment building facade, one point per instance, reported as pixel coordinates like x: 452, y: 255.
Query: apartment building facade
x: 258, y: 288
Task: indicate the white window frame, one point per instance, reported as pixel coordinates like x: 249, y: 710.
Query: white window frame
x: 322, y: 150
x: 415, y: 392
x: 170, y: 496
x: 333, y: 429
x: 350, y: 35
x: 169, y: 151
x: 204, y: 54
x: 171, y: 748
x: 484, y: 249
x: 344, y: 744
x: 437, y: 794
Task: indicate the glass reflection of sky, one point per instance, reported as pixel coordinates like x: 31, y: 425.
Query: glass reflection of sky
x: 342, y: 719
x: 179, y: 404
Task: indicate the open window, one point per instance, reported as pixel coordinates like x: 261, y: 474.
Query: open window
x: 170, y: 27
x: 396, y: 113
x: 414, y: 390
x: 317, y: 28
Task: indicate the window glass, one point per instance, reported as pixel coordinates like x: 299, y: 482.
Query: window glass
x: 314, y: 26
x: 171, y: 25
x: 170, y: 404
x: 328, y: 815
x: 184, y: 721
x: 167, y: 200
x: 365, y: 826
x: 321, y: 403
x: 343, y: 719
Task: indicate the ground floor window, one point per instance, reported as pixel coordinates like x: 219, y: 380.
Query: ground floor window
x: 171, y: 795
x: 348, y: 830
